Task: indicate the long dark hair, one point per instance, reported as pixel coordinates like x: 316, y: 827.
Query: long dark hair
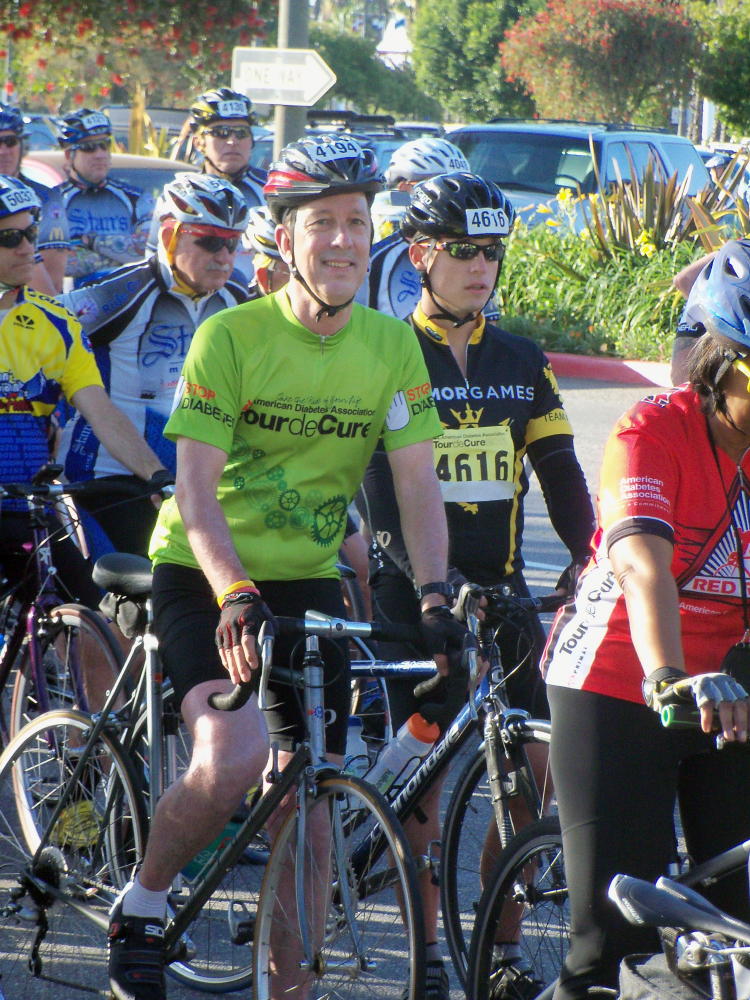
x: 708, y: 362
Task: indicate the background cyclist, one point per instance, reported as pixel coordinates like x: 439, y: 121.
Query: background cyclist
x: 498, y: 402
x: 140, y: 320
x: 108, y: 220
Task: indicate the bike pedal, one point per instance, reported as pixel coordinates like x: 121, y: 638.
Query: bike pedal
x: 241, y: 921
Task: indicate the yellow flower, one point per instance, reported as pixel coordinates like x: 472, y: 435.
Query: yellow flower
x: 552, y: 222
x: 544, y: 210
x: 564, y: 194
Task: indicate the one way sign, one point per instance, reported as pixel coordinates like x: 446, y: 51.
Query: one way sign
x: 281, y: 76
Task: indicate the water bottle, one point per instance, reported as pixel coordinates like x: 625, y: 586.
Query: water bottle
x: 356, y: 760
x: 400, y: 758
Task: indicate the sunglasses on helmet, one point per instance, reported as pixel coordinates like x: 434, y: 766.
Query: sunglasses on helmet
x: 11, y: 238
x: 464, y: 250
x: 230, y: 132
x: 92, y: 147
x: 9, y: 140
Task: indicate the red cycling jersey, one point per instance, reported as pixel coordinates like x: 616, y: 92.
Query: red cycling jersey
x: 660, y: 476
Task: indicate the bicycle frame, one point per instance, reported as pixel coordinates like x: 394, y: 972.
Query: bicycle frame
x: 26, y: 627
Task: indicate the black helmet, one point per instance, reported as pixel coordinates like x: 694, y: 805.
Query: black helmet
x: 221, y: 105
x: 316, y: 167
x: 720, y: 296
x: 82, y: 125
x: 457, y: 204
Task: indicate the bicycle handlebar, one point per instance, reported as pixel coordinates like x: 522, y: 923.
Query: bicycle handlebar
x: 91, y: 488
x: 313, y: 623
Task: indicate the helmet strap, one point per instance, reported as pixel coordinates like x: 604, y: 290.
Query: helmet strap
x: 238, y: 175
x: 444, y: 313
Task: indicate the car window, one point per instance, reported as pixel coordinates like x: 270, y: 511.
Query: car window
x: 534, y: 161
x: 639, y: 153
x: 682, y: 157
x: 149, y: 179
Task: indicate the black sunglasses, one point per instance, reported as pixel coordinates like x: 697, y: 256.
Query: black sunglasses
x: 92, y: 147
x: 9, y: 140
x: 212, y: 244
x: 468, y: 251
x: 11, y: 238
x: 228, y: 132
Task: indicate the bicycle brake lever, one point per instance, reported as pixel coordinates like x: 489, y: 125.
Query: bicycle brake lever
x: 472, y: 624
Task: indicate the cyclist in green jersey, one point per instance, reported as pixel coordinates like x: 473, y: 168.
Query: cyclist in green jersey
x: 282, y: 402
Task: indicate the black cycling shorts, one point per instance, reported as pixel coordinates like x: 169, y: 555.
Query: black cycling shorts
x: 185, y: 618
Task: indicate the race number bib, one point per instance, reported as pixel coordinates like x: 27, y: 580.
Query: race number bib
x: 475, y: 464
x: 338, y: 150
x: 486, y: 222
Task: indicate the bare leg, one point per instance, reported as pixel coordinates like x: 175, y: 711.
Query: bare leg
x: 229, y: 752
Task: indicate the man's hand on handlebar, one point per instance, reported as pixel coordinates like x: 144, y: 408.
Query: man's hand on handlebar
x: 242, y: 616
x: 160, y: 486
x: 443, y: 638
x: 715, y: 694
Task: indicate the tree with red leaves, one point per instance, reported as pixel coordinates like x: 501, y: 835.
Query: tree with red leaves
x: 89, y: 51
x: 601, y: 59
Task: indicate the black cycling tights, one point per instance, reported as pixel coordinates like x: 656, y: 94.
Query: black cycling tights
x: 616, y: 772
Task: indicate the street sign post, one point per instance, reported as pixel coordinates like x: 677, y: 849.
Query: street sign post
x: 295, y: 77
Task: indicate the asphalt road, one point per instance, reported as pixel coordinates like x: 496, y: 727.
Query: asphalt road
x: 592, y: 407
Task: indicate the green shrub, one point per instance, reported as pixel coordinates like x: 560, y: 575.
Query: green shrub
x: 559, y: 290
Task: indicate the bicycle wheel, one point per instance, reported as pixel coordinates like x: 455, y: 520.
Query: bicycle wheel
x: 70, y: 637
x: 527, y: 899
x: 90, y: 853
x: 469, y: 851
x: 366, y: 927
x: 216, y: 953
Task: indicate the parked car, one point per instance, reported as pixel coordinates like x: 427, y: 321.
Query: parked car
x: 376, y: 132
x: 39, y: 132
x: 533, y: 160
x: 149, y: 173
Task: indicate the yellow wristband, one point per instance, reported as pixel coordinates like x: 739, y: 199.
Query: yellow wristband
x: 237, y: 585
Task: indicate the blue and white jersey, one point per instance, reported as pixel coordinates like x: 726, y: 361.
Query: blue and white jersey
x: 53, y: 222
x: 114, y: 219
x: 393, y: 284
x: 140, y: 327
x: 250, y: 183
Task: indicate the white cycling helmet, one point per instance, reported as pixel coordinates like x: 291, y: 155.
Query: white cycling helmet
x: 422, y: 158
x: 259, y: 235
x: 206, y: 200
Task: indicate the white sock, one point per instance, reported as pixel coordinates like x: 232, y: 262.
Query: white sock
x: 140, y: 902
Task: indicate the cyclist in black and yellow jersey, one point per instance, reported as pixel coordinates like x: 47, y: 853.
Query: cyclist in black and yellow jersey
x: 498, y: 402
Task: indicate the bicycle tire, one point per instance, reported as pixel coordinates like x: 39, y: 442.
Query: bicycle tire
x: 468, y: 854
x: 384, y: 899
x: 530, y: 877
x: 91, y: 853
x: 60, y: 640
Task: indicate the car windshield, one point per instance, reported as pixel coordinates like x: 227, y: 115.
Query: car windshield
x: 532, y: 161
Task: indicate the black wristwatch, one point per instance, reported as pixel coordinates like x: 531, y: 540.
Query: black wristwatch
x: 441, y: 587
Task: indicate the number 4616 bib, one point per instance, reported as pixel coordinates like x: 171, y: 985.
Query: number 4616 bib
x: 475, y: 464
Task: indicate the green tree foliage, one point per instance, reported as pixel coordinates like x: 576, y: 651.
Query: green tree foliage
x: 724, y: 63
x: 367, y: 83
x: 455, y: 57
x: 601, y: 58
x: 64, y: 54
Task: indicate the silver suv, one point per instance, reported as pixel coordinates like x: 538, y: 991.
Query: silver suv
x: 532, y: 161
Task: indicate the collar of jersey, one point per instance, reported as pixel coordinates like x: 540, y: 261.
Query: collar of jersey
x: 298, y: 329
x: 430, y: 329
x: 86, y: 185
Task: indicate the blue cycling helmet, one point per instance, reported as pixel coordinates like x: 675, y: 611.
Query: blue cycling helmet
x: 720, y: 297
x: 11, y: 119
x: 15, y: 197
x: 80, y: 126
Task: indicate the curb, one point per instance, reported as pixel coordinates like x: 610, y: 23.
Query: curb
x: 610, y: 369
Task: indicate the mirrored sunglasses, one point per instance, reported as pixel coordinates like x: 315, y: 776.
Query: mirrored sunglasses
x: 93, y: 147
x: 459, y: 250
x: 9, y: 140
x: 11, y: 238
x: 230, y: 132
x: 212, y: 244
